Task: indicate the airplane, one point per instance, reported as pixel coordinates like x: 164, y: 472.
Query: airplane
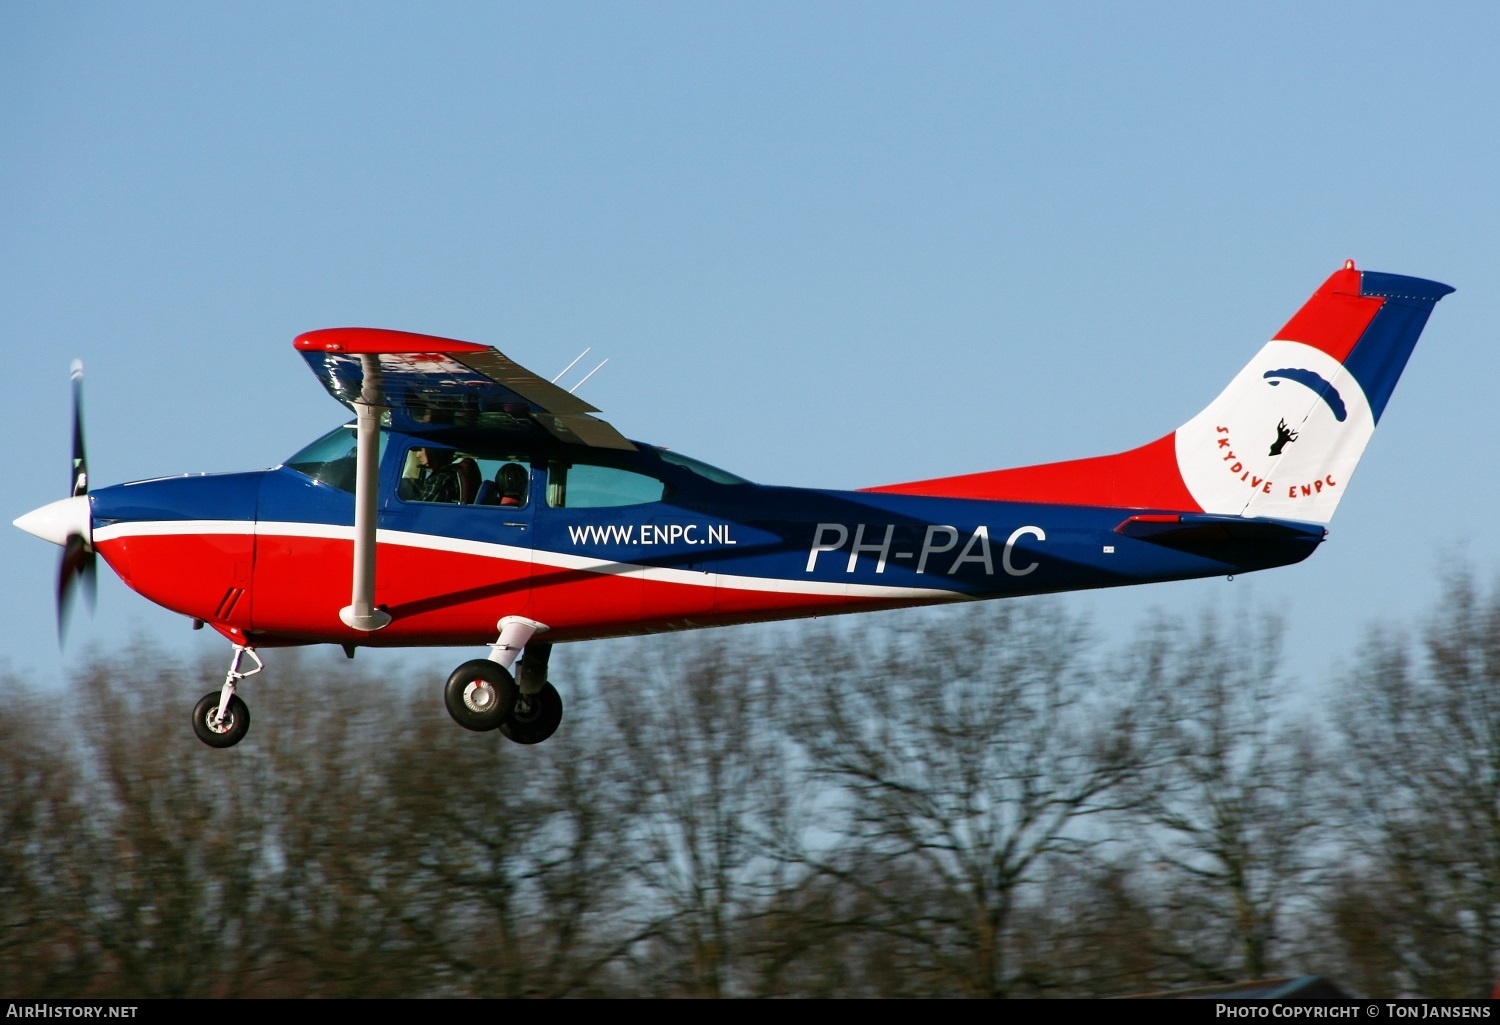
x: 472, y: 502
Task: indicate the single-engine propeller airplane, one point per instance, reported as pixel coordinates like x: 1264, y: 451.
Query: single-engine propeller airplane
x: 473, y: 502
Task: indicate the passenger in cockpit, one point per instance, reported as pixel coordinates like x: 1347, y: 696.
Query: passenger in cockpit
x: 512, y: 479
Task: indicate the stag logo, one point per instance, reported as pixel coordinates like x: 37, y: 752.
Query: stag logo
x: 1284, y: 435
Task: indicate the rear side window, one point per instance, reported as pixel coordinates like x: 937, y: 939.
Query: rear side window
x: 584, y: 486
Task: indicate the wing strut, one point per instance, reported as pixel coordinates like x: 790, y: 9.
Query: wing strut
x: 361, y: 613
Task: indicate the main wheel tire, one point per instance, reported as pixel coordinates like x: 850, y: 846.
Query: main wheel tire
x: 538, y: 722
x: 480, y: 695
x: 228, y: 733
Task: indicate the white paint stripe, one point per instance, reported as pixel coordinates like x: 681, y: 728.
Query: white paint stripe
x: 328, y: 531
x: 490, y: 550
x: 163, y: 528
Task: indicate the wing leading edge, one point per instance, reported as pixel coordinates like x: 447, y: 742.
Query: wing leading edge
x: 430, y: 382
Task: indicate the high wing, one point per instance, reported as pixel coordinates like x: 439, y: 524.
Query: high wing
x: 427, y: 381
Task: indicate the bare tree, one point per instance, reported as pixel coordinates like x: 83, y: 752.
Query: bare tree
x: 181, y: 833
x: 959, y: 757
x: 965, y: 805
x: 341, y: 900
x: 44, y: 882
x: 1420, y: 911
x: 712, y: 795
x: 358, y: 845
x: 1091, y: 927
x: 1230, y: 795
x: 512, y: 854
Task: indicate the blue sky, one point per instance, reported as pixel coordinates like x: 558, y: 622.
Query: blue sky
x: 821, y: 244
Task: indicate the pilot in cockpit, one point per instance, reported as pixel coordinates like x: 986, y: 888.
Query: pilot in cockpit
x: 441, y: 478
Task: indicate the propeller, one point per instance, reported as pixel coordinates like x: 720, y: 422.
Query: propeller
x: 77, y: 563
x: 80, y: 460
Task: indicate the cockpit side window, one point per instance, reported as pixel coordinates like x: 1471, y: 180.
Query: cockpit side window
x: 436, y: 473
x: 458, y: 476
x: 331, y: 459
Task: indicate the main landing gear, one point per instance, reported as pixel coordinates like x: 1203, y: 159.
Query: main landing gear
x: 222, y: 719
x: 483, y: 695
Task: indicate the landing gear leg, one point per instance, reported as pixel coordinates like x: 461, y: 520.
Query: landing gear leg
x: 538, y: 709
x: 222, y: 719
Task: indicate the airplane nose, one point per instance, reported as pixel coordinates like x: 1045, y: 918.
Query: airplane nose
x: 56, y: 520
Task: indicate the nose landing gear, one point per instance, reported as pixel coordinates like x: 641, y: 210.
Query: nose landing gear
x: 221, y: 718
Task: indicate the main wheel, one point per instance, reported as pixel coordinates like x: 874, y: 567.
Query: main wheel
x: 534, y: 718
x: 480, y: 694
x: 227, y: 733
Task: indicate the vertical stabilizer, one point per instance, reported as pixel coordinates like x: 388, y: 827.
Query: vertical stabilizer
x: 1283, y: 439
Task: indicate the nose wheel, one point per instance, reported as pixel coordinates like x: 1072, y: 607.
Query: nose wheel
x: 222, y: 718
x: 221, y: 731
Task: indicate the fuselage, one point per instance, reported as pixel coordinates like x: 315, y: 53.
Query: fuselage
x: 596, y: 544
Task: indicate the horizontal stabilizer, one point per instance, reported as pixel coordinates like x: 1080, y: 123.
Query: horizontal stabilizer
x: 1226, y: 538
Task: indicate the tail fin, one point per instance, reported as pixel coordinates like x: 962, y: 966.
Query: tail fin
x: 1281, y: 441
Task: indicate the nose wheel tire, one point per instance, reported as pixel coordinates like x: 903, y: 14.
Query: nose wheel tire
x: 535, y: 718
x: 230, y: 731
x: 480, y: 695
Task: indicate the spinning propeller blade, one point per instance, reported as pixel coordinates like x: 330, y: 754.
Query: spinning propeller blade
x: 77, y: 562
x: 80, y: 480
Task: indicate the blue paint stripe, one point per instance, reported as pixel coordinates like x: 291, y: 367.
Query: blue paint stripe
x: 1399, y: 286
x: 1380, y: 355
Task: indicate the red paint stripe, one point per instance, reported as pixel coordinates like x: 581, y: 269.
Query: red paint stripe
x: 375, y: 340
x: 1335, y: 317
x: 1143, y: 478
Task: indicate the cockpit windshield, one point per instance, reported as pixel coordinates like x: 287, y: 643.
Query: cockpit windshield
x: 331, y: 459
